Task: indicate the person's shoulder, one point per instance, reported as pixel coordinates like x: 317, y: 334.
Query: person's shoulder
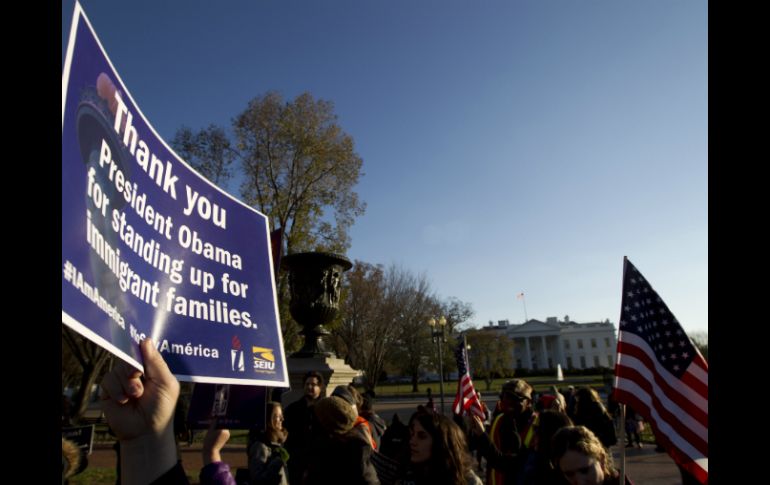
x: 297, y: 405
x: 259, y: 437
x: 356, y: 438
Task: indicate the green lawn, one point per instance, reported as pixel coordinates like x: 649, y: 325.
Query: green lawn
x: 540, y: 383
x: 105, y: 476
x: 96, y: 476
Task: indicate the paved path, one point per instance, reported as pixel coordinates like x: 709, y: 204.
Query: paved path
x: 648, y: 467
x: 644, y: 466
x: 103, y: 456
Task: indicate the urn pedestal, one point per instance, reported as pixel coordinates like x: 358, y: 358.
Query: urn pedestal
x: 314, y: 283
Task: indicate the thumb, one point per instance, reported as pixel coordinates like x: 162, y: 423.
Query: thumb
x: 155, y: 368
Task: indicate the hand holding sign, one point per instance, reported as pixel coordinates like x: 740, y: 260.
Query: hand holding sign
x: 140, y: 413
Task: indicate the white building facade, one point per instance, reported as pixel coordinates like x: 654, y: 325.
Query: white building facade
x: 543, y: 345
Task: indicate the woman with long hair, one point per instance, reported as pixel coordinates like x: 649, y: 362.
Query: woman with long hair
x: 591, y: 413
x: 267, y: 456
x: 438, y: 452
x: 582, y: 459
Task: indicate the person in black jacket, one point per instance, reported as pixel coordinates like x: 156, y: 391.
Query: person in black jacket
x: 298, y: 420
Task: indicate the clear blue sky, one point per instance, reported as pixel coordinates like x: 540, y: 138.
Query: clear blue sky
x: 508, y: 145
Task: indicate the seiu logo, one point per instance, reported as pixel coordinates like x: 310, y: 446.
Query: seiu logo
x: 263, y: 358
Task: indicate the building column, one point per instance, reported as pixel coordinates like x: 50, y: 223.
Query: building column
x: 544, y: 355
x: 560, y: 345
x: 527, y: 354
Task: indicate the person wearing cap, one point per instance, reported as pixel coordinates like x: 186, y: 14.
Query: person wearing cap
x: 554, y: 401
x: 338, y: 453
x: 351, y: 395
x: 510, y: 435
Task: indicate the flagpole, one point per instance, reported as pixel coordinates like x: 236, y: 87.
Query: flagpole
x: 467, y: 357
x: 622, y: 406
x: 523, y: 302
x: 622, y: 443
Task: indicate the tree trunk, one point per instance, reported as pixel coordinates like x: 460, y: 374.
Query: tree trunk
x: 91, y: 359
x: 415, y: 379
x: 87, y: 381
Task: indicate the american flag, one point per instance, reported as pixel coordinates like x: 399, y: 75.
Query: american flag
x: 466, y: 400
x: 662, y: 375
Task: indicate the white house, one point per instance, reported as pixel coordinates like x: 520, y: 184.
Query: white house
x: 542, y: 345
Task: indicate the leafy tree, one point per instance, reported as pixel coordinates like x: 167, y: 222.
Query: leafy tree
x: 70, y: 367
x: 92, y: 360
x: 456, y: 313
x: 297, y: 166
x: 384, y: 320
x: 299, y: 163
x: 208, y: 151
x: 363, y: 335
x: 414, y: 304
x: 490, y: 355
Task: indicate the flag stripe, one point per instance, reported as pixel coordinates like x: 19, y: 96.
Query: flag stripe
x: 645, y: 403
x: 681, y: 422
x: 686, y: 418
x: 682, y: 453
x: 662, y: 375
x: 466, y: 401
x: 690, y: 378
x: 641, y: 376
x: 631, y: 344
x: 702, y: 369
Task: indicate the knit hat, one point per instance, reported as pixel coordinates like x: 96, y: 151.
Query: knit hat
x: 546, y: 400
x: 518, y: 387
x: 344, y: 393
x: 335, y: 415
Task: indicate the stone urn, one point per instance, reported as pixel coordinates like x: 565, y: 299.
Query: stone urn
x: 314, y: 282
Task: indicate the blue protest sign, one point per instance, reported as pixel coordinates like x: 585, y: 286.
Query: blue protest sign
x: 152, y: 249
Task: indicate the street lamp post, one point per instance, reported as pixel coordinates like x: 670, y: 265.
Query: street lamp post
x: 437, y: 333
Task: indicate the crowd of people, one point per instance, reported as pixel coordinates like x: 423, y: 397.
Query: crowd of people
x: 556, y: 438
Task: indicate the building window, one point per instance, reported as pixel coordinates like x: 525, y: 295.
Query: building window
x: 580, y: 343
x: 609, y: 361
x: 582, y: 362
x: 607, y: 342
x: 593, y: 343
x: 569, y: 362
x: 596, y: 361
x: 566, y: 344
